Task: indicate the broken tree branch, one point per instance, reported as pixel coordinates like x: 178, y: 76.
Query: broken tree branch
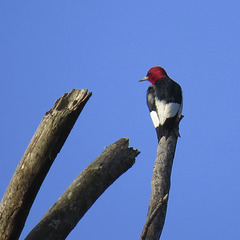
x: 37, y: 160
x: 160, y: 186
x: 63, y: 216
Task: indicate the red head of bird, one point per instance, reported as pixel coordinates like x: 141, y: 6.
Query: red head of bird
x: 154, y: 74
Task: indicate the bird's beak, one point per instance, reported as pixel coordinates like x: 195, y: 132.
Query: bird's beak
x: 143, y: 79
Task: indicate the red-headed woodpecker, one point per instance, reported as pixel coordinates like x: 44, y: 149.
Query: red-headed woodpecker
x: 164, y: 100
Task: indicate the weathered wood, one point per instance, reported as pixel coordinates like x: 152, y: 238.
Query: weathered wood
x: 63, y: 216
x: 160, y: 187
x: 152, y: 216
x: 36, y: 161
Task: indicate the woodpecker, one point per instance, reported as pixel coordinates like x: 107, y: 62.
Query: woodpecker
x: 164, y: 100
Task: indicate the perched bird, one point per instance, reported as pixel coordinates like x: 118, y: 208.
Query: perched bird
x: 164, y: 100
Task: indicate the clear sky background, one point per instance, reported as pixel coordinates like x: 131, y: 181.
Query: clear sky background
x: 50, y: 47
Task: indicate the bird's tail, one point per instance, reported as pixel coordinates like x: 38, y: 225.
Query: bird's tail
x: 162, y: 131
x: 165, y: 131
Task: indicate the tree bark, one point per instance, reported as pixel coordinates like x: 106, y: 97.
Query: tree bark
x: 160, y: 187
x: 63, y: 216
x: 37, y: 160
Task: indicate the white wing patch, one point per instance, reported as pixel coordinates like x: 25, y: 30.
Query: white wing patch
x: 154, y: 117
x: 167, y: 110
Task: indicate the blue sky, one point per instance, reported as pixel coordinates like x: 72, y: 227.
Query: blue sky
x: 50, y: 47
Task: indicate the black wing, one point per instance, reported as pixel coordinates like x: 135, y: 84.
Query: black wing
x: 151, y: 98
x: 153, y: 111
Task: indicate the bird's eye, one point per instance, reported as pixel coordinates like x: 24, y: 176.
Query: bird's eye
x: 149, y: 73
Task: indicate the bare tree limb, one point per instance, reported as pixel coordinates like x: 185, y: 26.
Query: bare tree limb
x: 36, y: 161
x: 63, y: 216
x: 160, y: 186
x: 153, y: 214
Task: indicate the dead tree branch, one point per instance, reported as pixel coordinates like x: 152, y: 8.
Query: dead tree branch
x: 36, y: 161
x: 160, y: 187
x: 153, y: 214
x: 63, y: 216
